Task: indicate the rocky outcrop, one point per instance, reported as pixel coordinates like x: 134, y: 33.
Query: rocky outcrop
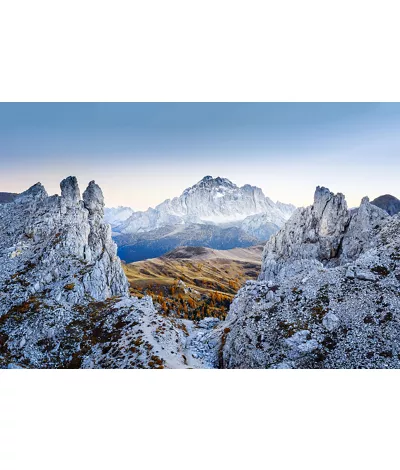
x: 70, y: 190
x: 327, y: 296
x: 324, y: 234
x: 365, y: 223
x: 64, y: 298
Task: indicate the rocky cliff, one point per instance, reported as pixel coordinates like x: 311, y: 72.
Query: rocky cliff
x: 64, y: 299
x: 327, y: 297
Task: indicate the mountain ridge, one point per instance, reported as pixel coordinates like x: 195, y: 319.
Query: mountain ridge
x: 211, y: 200
x: 214, y: 212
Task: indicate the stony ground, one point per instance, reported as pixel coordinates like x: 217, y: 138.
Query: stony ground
x: 338, y: 312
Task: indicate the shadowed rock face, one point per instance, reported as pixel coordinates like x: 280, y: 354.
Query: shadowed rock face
x: 327, y: 296
x: 388, y: 203
x: 5, y: 198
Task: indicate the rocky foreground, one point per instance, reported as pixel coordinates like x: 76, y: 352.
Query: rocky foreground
x: 328, y: 295
x: 64, y: 300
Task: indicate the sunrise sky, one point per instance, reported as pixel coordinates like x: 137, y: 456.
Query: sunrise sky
x: 143, y: 153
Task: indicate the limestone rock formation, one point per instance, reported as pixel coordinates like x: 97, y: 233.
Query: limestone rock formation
x: 210, y: 201
x: 324, y: 234
x: 328, y: 295
x: 70, y: 190
x: 64, y: 298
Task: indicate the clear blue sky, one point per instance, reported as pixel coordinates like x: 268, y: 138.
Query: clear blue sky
x: 143, y: 153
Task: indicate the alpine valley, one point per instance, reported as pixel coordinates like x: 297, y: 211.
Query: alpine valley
x: 322, y: 290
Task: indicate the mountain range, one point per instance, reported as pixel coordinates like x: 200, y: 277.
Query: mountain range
x: 388, y: 203
x: 214, y: 213
x: 327, y: 295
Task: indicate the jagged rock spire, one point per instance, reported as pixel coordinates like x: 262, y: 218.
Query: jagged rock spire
x: 36, y: 191
x: 93, y: 199
x: 70, y: 189
x: 326, y: 233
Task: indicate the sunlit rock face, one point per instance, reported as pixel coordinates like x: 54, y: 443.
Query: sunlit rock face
x: 64, y: 298
x: 324, y: 234
x: 327, y: 296
x: 56, y: 255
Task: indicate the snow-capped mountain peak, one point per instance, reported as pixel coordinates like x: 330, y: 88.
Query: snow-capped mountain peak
x: 208, y: 183
x: 219, y: 201
x: 215, y: 201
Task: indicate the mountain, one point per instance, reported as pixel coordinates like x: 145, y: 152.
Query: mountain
x: 327, y: 295
x: 117, y: 215
x: 64, y: 298
x: 147, y: 221
x: 259, y: 226
x: 388, y: 203
x: 286, y: 209
x: 214, y: 213
x: 7, y: 197
x: 219, y: 201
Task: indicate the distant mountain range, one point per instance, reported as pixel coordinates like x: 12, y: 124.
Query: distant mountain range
x: 116, y: 215
x: 388, y: 203
x: 215, y: 213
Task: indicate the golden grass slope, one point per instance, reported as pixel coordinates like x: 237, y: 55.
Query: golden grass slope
x: 211, y: 279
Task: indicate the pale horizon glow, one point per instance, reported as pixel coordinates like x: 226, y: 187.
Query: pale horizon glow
x: 143, y: 153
